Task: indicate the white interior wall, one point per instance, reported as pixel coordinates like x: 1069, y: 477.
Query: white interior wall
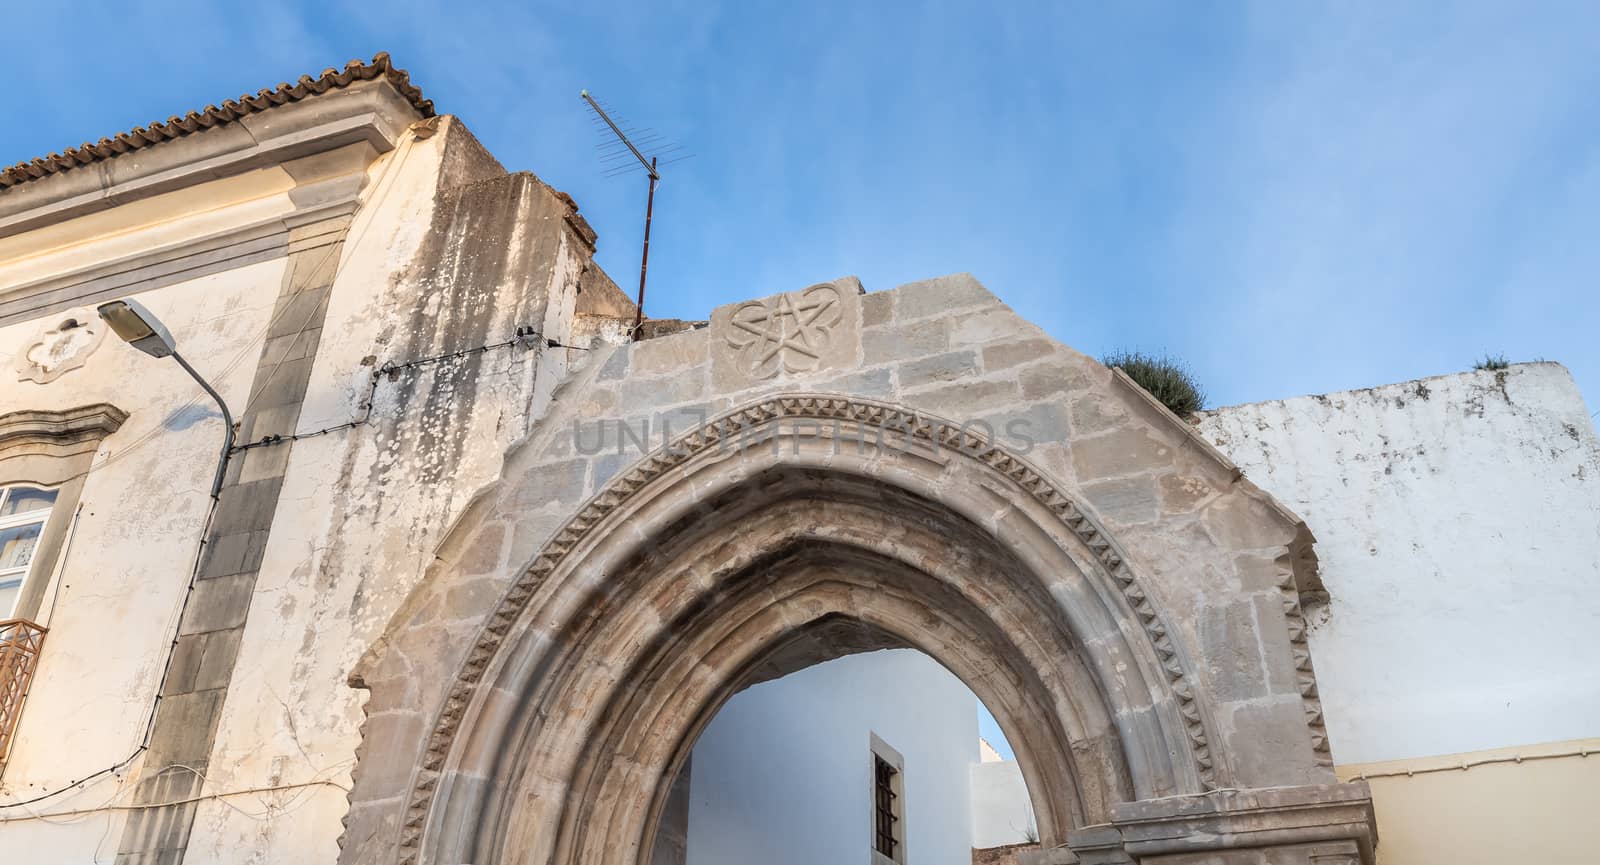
x: 782, y: 776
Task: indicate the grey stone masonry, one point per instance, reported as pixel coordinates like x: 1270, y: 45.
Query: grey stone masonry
x: 919, y: 466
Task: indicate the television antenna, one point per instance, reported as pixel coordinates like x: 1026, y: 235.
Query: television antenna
x: 620, y: 157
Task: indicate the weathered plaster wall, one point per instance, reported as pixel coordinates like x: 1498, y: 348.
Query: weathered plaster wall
x: 112, y: 611
x: 1458, y: 528
x: 783, y: 776
x: 446, y: 254
x: 449, y: 254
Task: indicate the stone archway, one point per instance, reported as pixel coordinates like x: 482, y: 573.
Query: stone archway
x: 677, y: 582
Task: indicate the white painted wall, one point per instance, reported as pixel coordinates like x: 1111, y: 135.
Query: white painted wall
x: 289, y: 717
x: 1458, y: 528
x: 782, y: 776
x: 1001, y: 812
x: 113, y: 610
x: 290, y: 726
x: 356, y: 524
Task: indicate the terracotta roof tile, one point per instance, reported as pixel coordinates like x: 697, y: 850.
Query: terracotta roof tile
x: 212, y: 115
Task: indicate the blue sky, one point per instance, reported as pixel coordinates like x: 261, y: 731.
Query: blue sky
x: 1294, y: 198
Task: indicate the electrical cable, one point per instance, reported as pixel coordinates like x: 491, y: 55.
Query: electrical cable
x: 1465, y: 765
x: 108, y: 806
x: 149, y: 725
x: 61, y: 566
x: 525, y: 336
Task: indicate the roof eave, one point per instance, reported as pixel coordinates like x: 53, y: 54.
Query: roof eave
x: 366, y: 102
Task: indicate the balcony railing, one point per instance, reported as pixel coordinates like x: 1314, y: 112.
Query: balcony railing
x: 20, y: 641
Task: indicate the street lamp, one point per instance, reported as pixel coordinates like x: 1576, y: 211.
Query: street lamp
x: 140, y: 328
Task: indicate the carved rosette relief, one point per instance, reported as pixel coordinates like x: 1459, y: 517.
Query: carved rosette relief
x: 786, y: 335
x: 63, y: 345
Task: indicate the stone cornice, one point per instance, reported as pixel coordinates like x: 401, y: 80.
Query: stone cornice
x: 1337, y: 815
x: 211, y: 116
x: 231, y: 247
x: 57, y: 433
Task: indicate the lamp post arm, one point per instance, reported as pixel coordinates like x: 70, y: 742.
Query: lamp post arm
x: 227, y: 421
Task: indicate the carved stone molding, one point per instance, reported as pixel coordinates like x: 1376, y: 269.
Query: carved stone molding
x: 1321, y: 824
x: 1298, y: 579
x: 734, y: 427
x: 58, y: 433
x: 62, y: 345
x: 54, y: 449
x: 1292, y: 585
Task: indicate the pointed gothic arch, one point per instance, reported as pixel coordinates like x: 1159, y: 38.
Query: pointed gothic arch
x: 670, y: 589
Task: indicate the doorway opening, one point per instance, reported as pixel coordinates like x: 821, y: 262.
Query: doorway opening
x: 882, y: 758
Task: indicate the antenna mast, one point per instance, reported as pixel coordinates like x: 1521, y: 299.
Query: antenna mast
x: 654, y: 176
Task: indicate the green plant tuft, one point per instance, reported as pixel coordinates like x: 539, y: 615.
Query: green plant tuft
x: 1491, y: 361
x: 1168, y: 380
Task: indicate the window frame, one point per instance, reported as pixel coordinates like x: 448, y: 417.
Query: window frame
x: 41, y: 517
x: 882, y: 752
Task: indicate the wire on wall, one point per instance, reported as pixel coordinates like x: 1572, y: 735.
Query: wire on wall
x: 526, y: 337
x: 1466, y: 765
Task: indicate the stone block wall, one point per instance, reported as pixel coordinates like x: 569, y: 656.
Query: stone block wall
x: 1215, y: 546
x: 1217, y: 561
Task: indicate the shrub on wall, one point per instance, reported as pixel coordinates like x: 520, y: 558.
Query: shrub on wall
x: 1168, y: 380
x: 1491, y: 361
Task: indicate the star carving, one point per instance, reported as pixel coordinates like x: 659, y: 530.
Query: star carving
x: 789, y: 335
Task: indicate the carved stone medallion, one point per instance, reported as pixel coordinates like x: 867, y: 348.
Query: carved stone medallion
x: 63, y: 345
x: 786, y: 335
